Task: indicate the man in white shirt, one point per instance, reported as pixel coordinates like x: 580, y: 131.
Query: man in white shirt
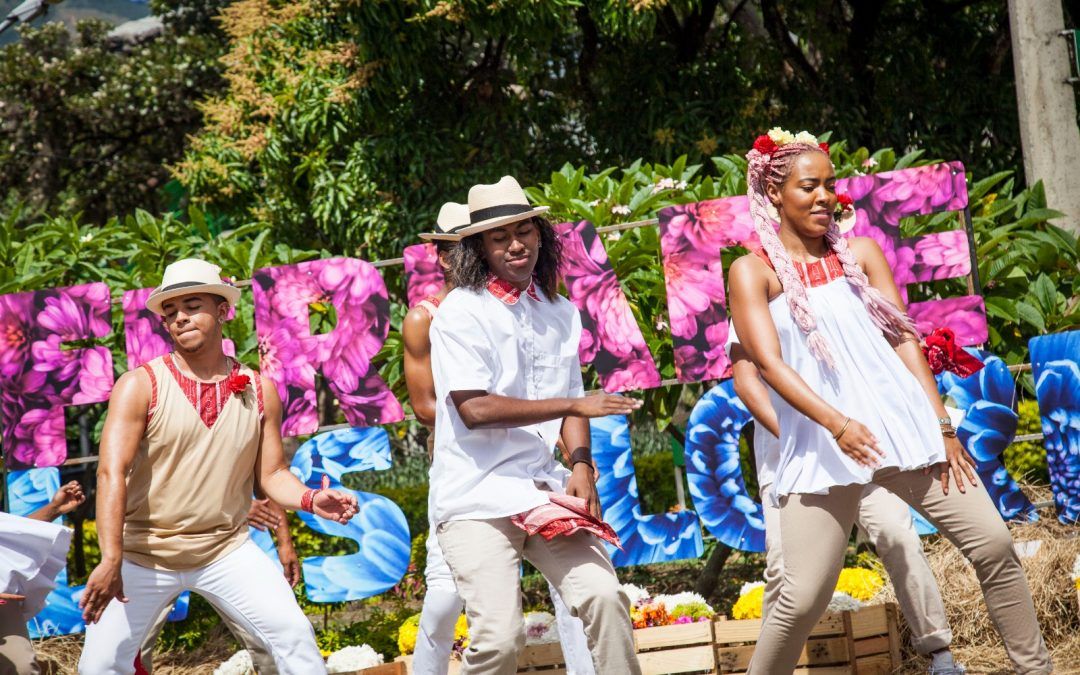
x: 508, y: 382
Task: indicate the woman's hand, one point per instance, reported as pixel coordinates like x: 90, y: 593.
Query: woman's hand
x: 858, y: 443
x: 68, y: 498
x: 957, y: 461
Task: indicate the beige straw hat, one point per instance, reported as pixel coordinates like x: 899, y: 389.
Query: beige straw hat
x: 498, y: 204
x: 188, y: 276
x: 452, y: 217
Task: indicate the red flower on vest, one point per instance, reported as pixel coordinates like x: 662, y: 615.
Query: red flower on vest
x: 236, y: 383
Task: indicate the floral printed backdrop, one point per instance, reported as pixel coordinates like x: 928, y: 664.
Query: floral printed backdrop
x: 289, y: 355
x: 379, y: 528
x: 1057, y: 383
x: 988, y: 399
x: 714, y: 471
x: 39, y: 375
x: 610, y: 337
x: 661, y: 537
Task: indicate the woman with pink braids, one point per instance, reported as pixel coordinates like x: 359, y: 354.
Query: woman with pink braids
x: 822, y: 319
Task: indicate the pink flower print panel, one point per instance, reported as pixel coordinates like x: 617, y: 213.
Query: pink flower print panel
x: 691, y: 238
x: 611, y: 339
x: 290, y: 355
x: 423, y: 275
x: 145, y: 335
x: 40, y: 375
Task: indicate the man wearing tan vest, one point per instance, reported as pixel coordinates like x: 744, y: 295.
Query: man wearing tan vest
x: 187, y: 439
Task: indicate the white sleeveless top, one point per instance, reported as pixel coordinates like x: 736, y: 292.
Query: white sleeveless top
x: 870, y: 383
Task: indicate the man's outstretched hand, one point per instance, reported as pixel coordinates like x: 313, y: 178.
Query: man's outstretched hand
x: 334, y: 505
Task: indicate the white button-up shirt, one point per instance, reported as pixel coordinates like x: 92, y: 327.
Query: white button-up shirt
x: 521, y: 347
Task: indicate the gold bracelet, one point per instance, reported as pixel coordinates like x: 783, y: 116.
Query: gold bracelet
x: 840, y: 433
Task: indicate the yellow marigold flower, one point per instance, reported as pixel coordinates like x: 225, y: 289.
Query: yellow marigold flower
x: 407, y: 632
x: 861, y: 584
x: 748, y: 606
x: 461, y: 630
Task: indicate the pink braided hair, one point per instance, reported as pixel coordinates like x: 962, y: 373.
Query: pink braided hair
x: 772, y: 169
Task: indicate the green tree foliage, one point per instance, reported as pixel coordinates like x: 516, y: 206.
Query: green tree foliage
x: 346, y: 124
x: 86, y: 127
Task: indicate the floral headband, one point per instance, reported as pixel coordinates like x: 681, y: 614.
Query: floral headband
x: 769, y: 143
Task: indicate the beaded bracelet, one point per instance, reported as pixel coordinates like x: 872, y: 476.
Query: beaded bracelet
x: 307, y: 500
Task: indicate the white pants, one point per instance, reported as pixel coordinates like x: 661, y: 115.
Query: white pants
x: 245, y: 585
x: 886, y: 520
x: 443, y: 605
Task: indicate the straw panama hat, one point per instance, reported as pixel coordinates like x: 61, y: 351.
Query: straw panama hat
x: 452, y: 217
x: 188, y: 276
x: 498, y: 204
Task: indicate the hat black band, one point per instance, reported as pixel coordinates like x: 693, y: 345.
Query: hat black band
x: 182, y: 284
x: 496, y: 212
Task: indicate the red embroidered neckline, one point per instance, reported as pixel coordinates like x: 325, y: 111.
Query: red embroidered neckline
x: 208, y: 398
x: 507, y: 292
x: 817, y: 273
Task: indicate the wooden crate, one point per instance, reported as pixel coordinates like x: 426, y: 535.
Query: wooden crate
x: 393, y: 668
x: 681, y: 648
x: 866, y: 642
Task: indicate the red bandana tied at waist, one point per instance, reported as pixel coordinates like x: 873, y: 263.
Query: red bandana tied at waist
x: 564, y: 514
x: 942, y: 353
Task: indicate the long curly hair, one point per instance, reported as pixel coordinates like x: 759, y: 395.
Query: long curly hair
x: 470, y: 269
x: 772, y: 169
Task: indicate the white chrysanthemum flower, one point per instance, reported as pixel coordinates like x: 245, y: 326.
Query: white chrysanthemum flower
x: 681, y: 185
x: 86, y: 238
x: 595, y: 202
x: 350, y: 659
x: 780, y: 136
x: 806, y: 137
x: 635, y: 593
x: 540, y: 628
x: 1076, y: 569
x: 842, y: 602
x: 239, y: 663
x: 620, y: 210
x: 685, y: 598
x: 749, y: 586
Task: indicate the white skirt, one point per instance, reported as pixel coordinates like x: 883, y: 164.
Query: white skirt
x: 32, y: 553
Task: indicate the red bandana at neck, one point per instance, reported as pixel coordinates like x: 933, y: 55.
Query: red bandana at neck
x: 507, y: 292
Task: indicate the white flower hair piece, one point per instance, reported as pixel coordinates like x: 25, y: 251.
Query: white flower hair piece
x: 785, y: 137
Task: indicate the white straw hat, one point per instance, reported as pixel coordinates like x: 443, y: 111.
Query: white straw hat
x: 452, y: 217
x: 188, y: 276
x: 495, y: 205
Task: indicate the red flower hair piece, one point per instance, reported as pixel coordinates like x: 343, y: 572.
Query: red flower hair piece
x: 824, y: 147
x: 942, y: 354
x: 765, y: 145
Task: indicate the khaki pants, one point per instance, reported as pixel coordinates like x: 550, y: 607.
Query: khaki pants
x: 815, y: 528
x: 16, y: 650
x: 485, y: 557
x: 886, y: 520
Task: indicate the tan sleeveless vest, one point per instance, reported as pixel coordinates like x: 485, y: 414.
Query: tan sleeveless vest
x: 190, y: 487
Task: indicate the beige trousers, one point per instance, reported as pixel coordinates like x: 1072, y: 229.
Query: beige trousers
x: 814, y: 531
x: 485, y: 558
x: 886, y: 520
x: 16, y: 650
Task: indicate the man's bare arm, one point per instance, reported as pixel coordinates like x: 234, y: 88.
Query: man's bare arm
x: 272, y: 474
x: 125, y: 423
x: 481, y: 410
x: 418, y: 378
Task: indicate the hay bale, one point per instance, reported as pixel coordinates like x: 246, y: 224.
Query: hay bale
x: 975, y: 641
